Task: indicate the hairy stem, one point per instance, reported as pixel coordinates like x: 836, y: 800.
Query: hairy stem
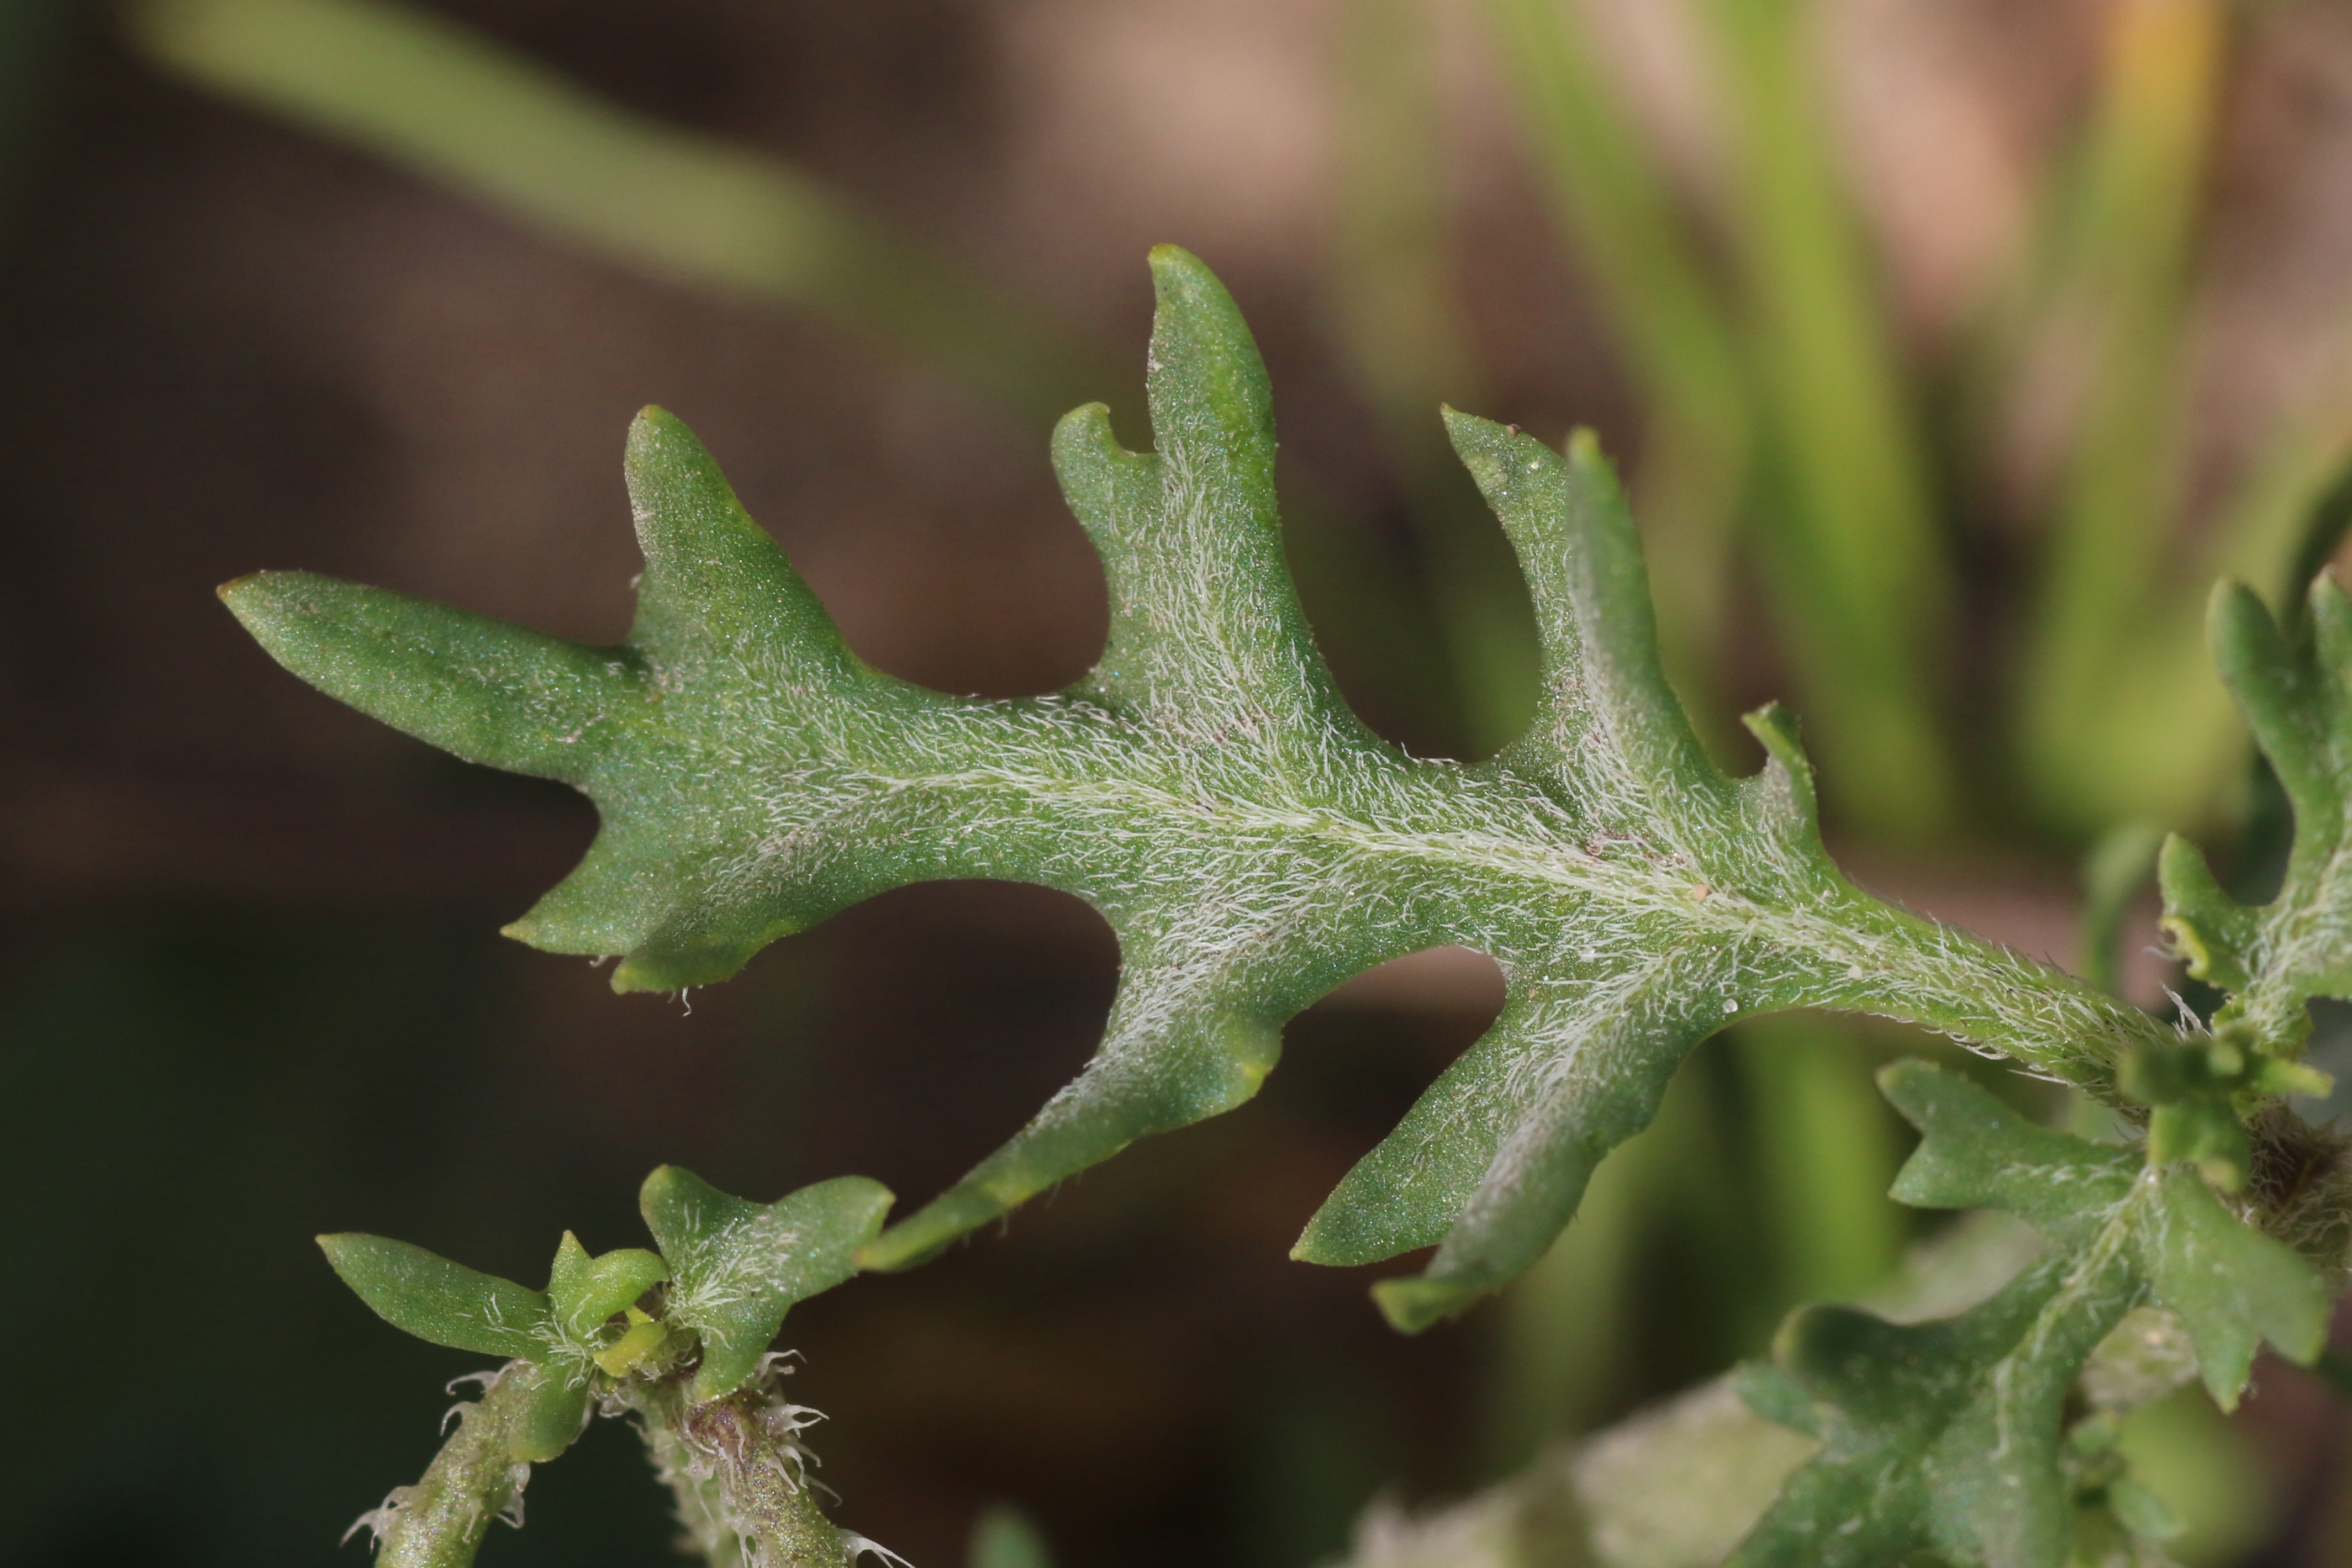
x: 740, y: 1477
x: 439, y: 1522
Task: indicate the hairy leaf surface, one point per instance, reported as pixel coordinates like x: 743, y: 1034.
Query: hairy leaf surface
x: 1204, y: 787
x: 585, y: 1290
x: 733, y: 1269
x: 739, y: 1267
x: 426, y: 1294
x: 446, y: 1304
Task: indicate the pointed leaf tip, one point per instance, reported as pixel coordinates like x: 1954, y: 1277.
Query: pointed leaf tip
x: 718, y: 596
x: 1413, y: 1302
x: 485, y: 690
x: 585, y: 1290
x: 1196, y: 299
x: 1177, y: 266
x: 1205, y: 379
x: 445, y: 1303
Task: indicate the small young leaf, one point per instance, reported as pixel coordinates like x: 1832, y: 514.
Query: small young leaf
x: 644, y: 1335
x: 585, y: 1290
x: 553, y: 1406
x: 738, y: 1267
x: 444, y: 1303
x: 1976, y: 1153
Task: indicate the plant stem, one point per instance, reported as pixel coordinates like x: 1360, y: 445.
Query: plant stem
x: 439, y: 1522
x: 740, y: 1479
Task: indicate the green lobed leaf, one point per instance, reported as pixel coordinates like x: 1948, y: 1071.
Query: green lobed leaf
x: 446, y: 1304
x: 739, y: 1267
x: 2295, y: 692
x: 1204, y: 787
x: 1951, y: 1435
x: 1942, y: 1437
x: 1976, y: 1153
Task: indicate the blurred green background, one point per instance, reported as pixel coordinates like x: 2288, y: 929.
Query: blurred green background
x: 1951, y: 349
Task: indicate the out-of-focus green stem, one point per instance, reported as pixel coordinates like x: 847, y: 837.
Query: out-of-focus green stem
x: 2324, y: 485
x: 1401, y: 326
x: 432, y: 97
x: 1675, y: 331
x: 1862, y: 577
x: 1394, y: 288
x: 1562, y: 1339
x: 2186, y: 745
x: 2101, y: 699
x: 2167, y: 742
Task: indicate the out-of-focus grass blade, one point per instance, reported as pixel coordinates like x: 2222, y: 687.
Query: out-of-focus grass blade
x: 2165, y: 740
x: 1802, y: 363
x: 2111, y: 688
x: 1563, y: 1341
x: 1399, y: 323
x: 1861, y: 574
x: 2289, y: 518
x: 1828, y: 1149
x: 1397, y: 312
x: 2118, y: 866
x: 2325, y: 522
x: 441, y: 101
x: 1674, y: 329
x: 435, y: 98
